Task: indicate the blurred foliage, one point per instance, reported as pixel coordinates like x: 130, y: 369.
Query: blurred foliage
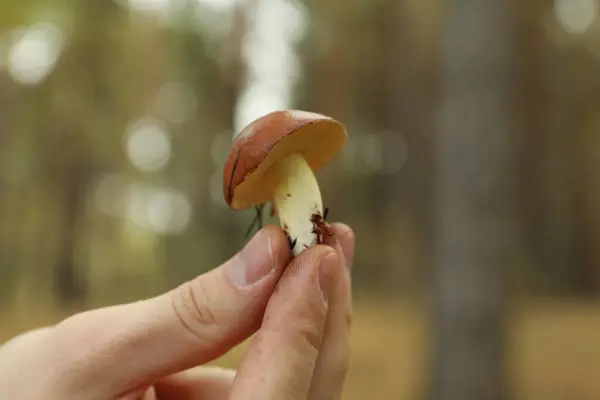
x: 116, y: 118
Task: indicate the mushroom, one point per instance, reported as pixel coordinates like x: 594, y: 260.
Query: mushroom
x: 274, y: 159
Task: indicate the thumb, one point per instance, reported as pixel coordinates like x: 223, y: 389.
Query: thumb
x: 118, y: 349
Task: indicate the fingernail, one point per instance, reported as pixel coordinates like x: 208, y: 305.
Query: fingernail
x: 325, y: 274
x: 254, y: 262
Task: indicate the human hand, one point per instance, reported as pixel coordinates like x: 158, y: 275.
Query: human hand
x: 153, y: 349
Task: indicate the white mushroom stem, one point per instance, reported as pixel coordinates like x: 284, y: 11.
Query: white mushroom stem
x: 297, y: 198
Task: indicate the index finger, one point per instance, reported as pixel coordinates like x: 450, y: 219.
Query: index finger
x: 280, y: 361
x: 332, y: 365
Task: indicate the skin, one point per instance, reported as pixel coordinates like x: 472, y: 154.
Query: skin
x: 299, y: 311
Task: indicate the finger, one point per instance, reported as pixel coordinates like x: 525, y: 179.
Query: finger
x: 125, y: 347
x: 19, y: 366
x: 347, y: 240
x: 202, y: 383
x: 332, y: 364
x: 280, y: 361
x: 22, y: 342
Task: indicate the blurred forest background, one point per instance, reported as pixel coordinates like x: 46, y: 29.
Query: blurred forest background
x: 471, y: 175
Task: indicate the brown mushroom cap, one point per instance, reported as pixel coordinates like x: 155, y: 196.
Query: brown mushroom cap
x: 249, y: 180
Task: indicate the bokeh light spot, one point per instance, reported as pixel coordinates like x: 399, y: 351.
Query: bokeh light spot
x: 162, y: 210
x: 575, y: 16
x: 34, y: 53
x: 148, y: 145
x: 169, y: 211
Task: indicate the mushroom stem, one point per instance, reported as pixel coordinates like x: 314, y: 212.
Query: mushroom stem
x: 298, y: 201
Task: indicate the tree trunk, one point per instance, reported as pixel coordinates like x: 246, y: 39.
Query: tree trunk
x: 70, y: 284
x: 473, y: 201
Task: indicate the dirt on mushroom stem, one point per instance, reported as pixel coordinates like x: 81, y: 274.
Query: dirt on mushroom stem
x: 320, y: 225
x: 321, y: 228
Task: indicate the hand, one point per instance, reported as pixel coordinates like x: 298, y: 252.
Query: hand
x: 152, y: 349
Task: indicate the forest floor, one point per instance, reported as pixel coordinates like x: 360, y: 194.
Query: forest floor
x: 554, y: 349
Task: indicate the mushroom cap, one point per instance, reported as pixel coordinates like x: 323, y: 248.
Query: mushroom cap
x: 249, y: 178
